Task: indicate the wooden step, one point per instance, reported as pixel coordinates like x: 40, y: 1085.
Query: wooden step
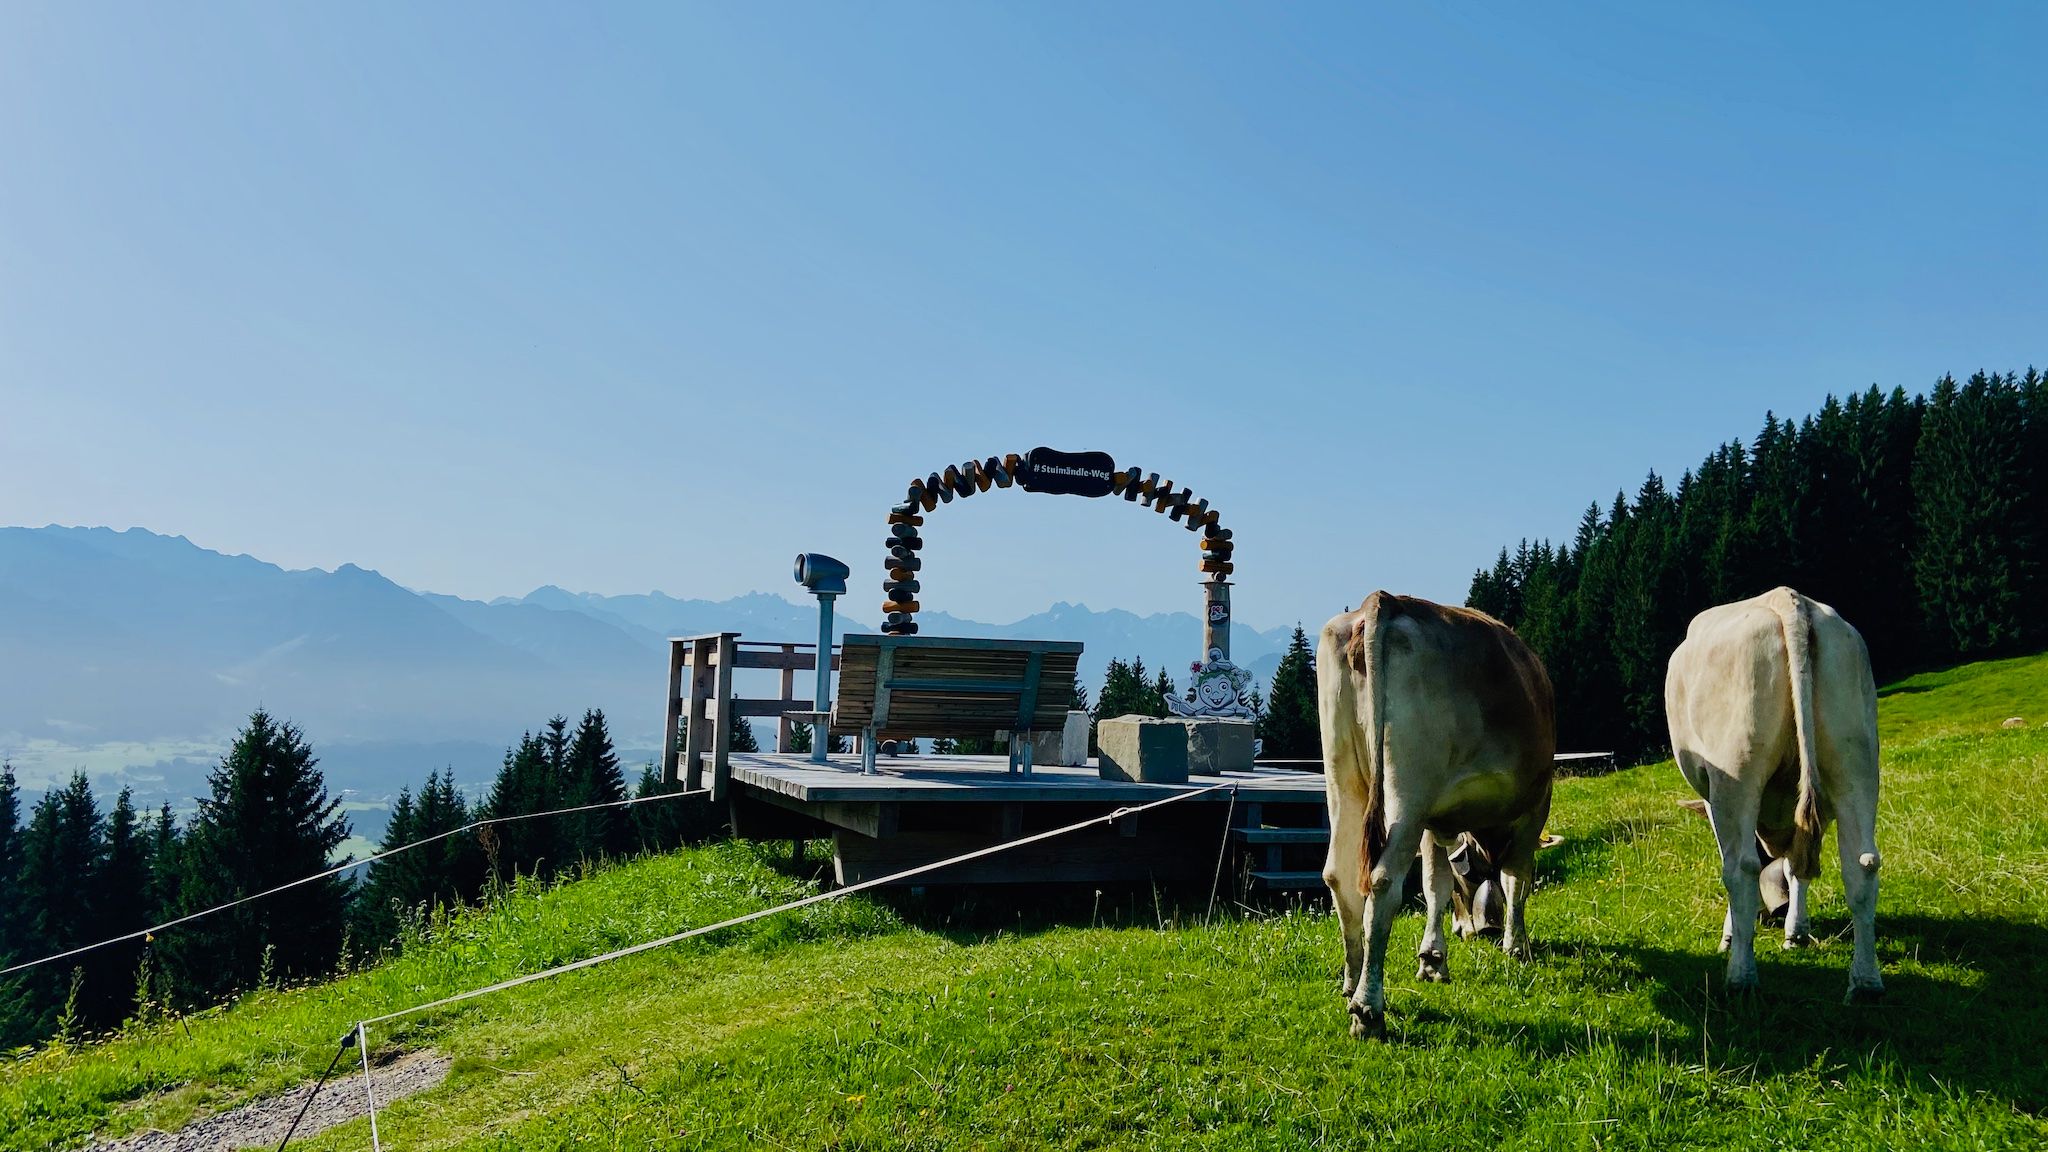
x: 1289, y: 879
x: 1281, y: 835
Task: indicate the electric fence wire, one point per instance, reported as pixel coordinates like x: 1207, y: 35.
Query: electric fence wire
x: 366, y: 861
x: 362, y: 1026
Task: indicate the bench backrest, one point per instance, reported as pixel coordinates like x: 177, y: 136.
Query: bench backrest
x: 907, y: 686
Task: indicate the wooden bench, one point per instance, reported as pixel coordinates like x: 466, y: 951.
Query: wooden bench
x: 913, y: 686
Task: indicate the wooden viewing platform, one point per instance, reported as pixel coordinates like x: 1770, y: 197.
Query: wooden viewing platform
x: 917, y: 809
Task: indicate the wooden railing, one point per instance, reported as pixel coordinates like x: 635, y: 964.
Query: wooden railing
x: 700, y: 672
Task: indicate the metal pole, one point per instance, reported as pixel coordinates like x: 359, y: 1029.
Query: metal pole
x: 821, y: 734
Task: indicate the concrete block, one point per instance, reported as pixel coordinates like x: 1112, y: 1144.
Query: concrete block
x: 1067, y: 747
x: 1216, y: 746
x: 1144, y: 750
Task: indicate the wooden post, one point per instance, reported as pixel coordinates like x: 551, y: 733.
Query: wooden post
x: 698, y: 738
x: 1216, y: 617
x: 721, y: 736
x: 678, y: 655
x: 782, y: 723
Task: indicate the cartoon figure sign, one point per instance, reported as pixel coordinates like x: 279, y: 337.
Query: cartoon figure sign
x: 1219, y: 689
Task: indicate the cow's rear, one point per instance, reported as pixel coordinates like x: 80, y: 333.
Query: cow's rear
x: 1436, y: 721
x: 1773, y: 718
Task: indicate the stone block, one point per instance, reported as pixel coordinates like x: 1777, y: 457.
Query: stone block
x: 1216, y: 746
x: 1143, y: 750
x: 1067, y: 747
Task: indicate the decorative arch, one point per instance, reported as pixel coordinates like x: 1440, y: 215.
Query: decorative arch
x: 1091, y: 474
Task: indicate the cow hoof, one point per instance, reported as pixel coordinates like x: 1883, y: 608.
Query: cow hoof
x: 1520, y: 950
x: 1798, y: 940
x: 1434, y: 968
x: 1864, y: 994
x: 1742, y: 985
x: 1367, y: 1023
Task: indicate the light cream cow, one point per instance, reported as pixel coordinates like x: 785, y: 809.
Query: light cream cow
x: 1774, y: 722
x: 1436, y: 721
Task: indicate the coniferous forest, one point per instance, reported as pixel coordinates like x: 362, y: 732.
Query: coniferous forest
x: 1923, y: 520
x: 75, y: 872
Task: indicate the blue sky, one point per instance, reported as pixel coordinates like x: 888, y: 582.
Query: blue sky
x: 622, y: 298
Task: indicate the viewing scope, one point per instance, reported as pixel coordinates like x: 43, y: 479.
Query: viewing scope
x: 820, y: 573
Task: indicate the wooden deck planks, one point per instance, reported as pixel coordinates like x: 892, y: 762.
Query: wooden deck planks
x: 933, y: 779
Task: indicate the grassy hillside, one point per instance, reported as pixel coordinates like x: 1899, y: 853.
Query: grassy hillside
x: 899, y: 1025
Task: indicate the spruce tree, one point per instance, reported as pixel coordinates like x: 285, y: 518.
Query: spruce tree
x: 160, y: 852
x: 1162, y: 690
x: 526, y: 783
x: 743, y: 736
x: 799, y: 739
x: 122, y: 899
x: 595, y: 778
x: 11, y: 919
x: 266, y: 820
x: 63, y: 873
x: 444, y: 871
x: 17, y: 1007
x: 1292, y: 727
x: 376, y: 911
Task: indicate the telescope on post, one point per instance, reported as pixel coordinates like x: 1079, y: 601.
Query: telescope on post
x: 824, y: 578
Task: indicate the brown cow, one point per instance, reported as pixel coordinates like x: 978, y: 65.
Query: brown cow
x: 1436, y: 721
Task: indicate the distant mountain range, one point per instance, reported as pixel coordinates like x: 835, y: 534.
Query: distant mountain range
x: 135, y: 655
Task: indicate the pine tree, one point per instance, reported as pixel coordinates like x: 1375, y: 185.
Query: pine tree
x: 160, y: 852
x: 526, y: 783
x: 595, y: 778
x: 799, y: 739
x: 11, y: 920
x: 267, y: 819
x: 122, y: 900
x: 1125, y: 692
x: 445, y: 871
x: 63, y: 855
x: 1162, y: 690
x: 17, y: 1007
x: 1292, y: 726
x: 376, y: 911
x: 943, y: 746
x: 743, y: 736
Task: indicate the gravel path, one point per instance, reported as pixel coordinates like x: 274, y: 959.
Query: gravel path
x: 263, y: 1122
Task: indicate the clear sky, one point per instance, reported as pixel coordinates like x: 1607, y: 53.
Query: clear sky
x: 619, y: 298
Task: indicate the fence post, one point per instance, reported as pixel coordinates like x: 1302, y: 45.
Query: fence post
x: 698, y: 737
x: 721, y: 736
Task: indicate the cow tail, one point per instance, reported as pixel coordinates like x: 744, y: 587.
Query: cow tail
x: 1807, y: 822
x: 1371, y: 653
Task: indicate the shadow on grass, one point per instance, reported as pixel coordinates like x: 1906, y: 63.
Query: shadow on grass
x: 1966, y: 1013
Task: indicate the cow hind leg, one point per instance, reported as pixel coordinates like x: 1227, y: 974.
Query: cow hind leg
x: 1382, y: 900
x: 1856, y: 841
x: 1734, y: 818
x: 1436, y: 886
x: 1517, y: 879
x: 1340, y: 872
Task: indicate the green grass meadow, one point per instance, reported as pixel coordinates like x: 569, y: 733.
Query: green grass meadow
x: 1024, y: 1020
